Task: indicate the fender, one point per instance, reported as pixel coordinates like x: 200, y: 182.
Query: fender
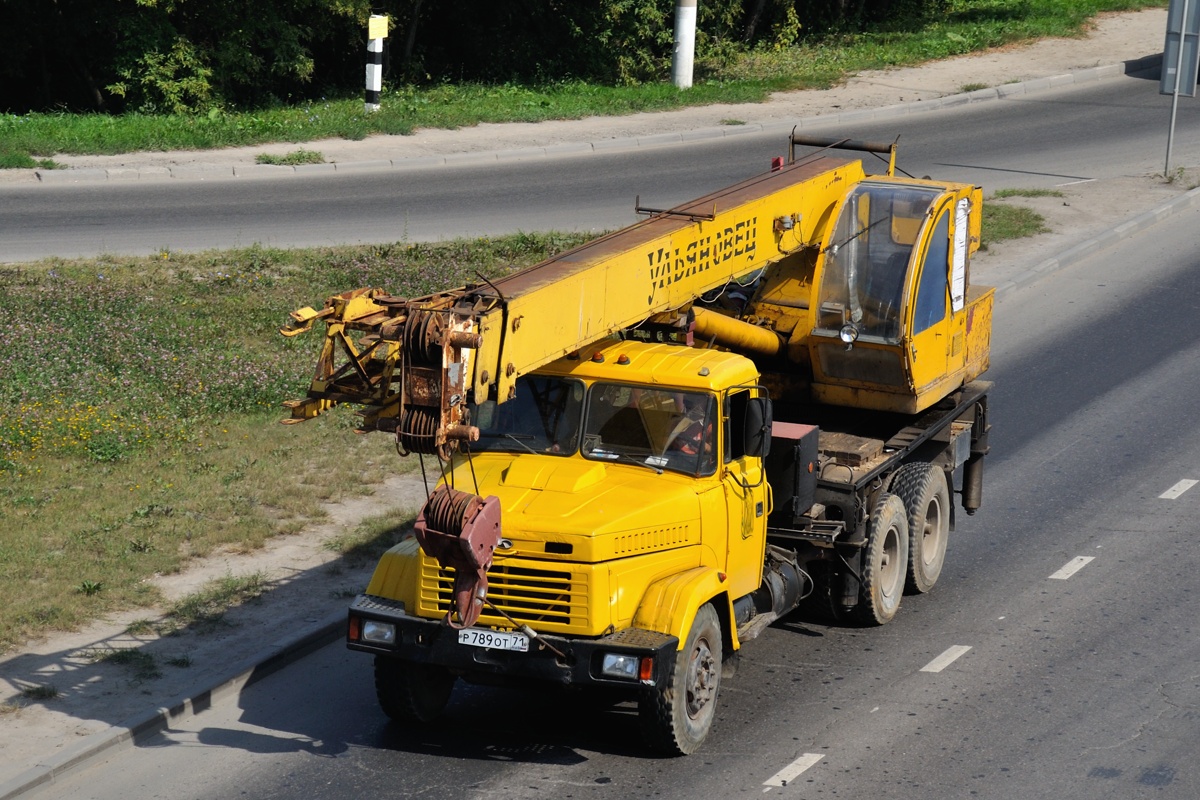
x: 670, y: 605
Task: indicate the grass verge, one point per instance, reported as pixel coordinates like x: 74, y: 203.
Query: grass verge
x: 141, y: 408
x: 746, y: 77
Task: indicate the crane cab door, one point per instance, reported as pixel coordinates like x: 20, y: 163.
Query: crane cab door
x: 936, y: 324
x: 929, y: 322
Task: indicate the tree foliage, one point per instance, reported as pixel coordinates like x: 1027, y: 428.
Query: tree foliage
x: 187, y: 56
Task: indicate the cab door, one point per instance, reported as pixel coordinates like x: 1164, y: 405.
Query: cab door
x: 745, y: 489
x: 930, y: 325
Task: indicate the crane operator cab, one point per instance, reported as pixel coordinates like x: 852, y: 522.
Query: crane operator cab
x: 896, y: 326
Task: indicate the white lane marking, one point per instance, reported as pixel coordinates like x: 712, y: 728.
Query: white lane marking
x: 792, y: 770
x: 1178, y: 489
x: 1074, y: 565
x: 947, y: 658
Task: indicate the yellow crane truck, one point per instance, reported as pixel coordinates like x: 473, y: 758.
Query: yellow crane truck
x: 655, y: 444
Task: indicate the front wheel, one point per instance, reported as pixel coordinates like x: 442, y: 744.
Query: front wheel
x: 676, y: 718
x: 885, y: 563
x: 412, y: 692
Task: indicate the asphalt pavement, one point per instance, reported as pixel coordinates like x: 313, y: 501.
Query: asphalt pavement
x: 252, y: 656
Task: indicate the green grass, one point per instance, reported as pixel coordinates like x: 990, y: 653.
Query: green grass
x: 972, y: 25
x: 142, y: 399
x: 1001, y: 223
x: 1001, y: 194
x: 10, y: 160
x: 292, y: 159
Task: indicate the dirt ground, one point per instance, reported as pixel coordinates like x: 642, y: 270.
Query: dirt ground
x: 310, y: 584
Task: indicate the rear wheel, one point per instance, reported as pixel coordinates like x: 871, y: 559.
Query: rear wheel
x: 926, y: 498
x: 676, y: 718
x: 412, y: 692
x: 885, y: 563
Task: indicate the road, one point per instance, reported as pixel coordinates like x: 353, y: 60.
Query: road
x: 1113, y: 128
x: 1057, y: 657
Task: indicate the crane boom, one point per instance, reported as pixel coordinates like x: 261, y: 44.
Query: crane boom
x: 482, y: 337
x: 415, y: 364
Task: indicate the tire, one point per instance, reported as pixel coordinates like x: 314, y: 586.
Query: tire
x: 926, y: 497
x: 412, y: 692
x: 676, y: 718
x: 885, y: 563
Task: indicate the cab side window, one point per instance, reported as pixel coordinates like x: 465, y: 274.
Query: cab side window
x: 931, y: 292
x: 735, y: 423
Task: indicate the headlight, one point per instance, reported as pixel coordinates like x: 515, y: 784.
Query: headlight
x: 378, y: 632
x: 620, y: 665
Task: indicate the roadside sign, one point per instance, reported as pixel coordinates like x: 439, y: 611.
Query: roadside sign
x: 1181, y: 56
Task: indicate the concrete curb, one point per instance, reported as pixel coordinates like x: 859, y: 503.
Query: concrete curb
x: 103, y: 744
x: 215, y: 172
x: 1079, y: 252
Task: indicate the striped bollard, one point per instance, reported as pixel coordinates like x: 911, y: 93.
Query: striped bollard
x: 377, y: 30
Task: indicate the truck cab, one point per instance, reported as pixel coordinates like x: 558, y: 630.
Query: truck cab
x: 629, y: 476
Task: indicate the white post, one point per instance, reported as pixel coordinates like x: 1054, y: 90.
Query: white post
x: 377, y: 30
x: 685, y: 43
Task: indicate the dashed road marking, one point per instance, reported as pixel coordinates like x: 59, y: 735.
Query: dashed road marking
x: 791, y: 771
x: 1178, y: 489
x: 1071, y: 567
x: 947, y: 658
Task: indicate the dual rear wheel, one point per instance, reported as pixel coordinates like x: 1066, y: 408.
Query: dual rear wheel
x: 906, y: 541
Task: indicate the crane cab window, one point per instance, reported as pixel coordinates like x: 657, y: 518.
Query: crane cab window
x: 934, y: 282
x: 868, y: 257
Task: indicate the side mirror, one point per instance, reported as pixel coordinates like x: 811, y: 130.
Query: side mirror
x: 757, y: 433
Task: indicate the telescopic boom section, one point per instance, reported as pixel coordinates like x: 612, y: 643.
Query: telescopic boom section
x: 412, y: 363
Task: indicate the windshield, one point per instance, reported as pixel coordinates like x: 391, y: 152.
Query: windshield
x: 542, y: 417
x: 867, y: 260
x: 660, y: 428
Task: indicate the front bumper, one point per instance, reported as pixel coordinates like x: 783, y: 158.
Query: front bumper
x: 434, y: 642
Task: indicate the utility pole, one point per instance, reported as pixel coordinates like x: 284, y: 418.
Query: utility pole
x: 685, y: 43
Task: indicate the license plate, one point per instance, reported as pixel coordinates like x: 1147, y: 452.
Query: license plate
x: 494, y: 640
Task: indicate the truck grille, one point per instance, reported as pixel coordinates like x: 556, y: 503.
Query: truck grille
x: 541, y: 597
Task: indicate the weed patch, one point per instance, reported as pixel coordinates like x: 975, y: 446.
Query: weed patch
x: 373, y: 536
x: 1002, y: 222
x: 143, y: 665
x: 292, y: 159
x: 205, y: 609
x: 42, y: 691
